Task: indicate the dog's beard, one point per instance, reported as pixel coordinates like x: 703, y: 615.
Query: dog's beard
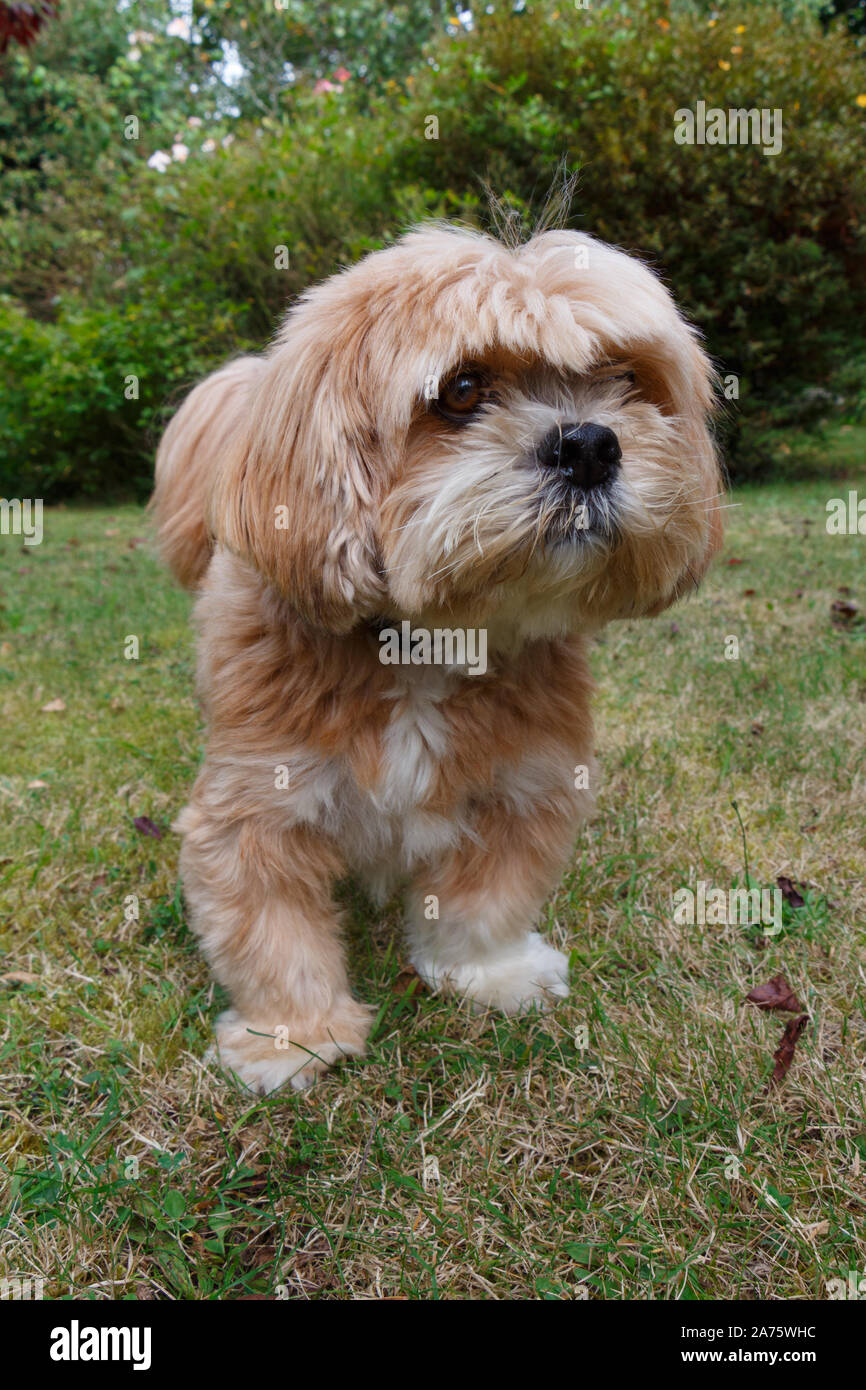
x: 479, y: 517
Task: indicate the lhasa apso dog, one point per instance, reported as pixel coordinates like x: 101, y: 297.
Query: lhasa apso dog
x: 454, y: 440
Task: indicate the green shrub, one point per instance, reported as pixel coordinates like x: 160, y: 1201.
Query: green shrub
x: 71, y: 419
x: 766, y: 253
x: 177, y: 270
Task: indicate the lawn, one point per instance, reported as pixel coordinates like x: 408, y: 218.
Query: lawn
x: 625, y: 1146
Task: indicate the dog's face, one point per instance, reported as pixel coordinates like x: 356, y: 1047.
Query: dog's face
x: 461, y: 430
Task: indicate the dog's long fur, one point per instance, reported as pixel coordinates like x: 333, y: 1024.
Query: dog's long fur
x: 312, y: 495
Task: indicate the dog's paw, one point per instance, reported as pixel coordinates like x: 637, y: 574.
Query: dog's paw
x: 264, y: 1055
x: 528, y: 974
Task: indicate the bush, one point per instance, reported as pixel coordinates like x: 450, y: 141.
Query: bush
x: 767, y: 254
x: 71, y: 419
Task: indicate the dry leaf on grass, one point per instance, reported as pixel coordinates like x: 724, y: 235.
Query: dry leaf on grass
x: 775, y: 994
x: 19, y: 977
x: 844, y: 613
x: 790, y: 892
x: 784, y: 1054
x: 54, y: 706
x: 145, y: 826
x: 408, y: 982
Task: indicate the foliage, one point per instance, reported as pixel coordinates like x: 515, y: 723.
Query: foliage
x: 84, y: 396
x: 110, y: 261
x: 284, y: 47
x: 20, y: 23
x: 767, y: 254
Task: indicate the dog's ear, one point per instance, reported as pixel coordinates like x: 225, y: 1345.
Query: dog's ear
x: 682, y: 382
x: 297, y: 492
x: 696, y: 404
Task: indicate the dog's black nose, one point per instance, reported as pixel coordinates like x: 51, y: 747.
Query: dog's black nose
x: 586, y: 455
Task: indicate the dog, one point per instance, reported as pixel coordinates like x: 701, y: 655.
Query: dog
x: 454, y: 435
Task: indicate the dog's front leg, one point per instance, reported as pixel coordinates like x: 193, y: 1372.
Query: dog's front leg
x: 259, y: 898
x: 471, y: 913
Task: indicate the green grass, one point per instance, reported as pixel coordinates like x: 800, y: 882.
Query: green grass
x: 624, y: 1146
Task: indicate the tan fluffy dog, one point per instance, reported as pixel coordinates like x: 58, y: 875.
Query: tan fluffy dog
x: 471, y: 438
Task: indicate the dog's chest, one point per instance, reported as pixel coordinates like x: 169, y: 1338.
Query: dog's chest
x: 386, y: 819
x: 415, y: 765
x: 395, y: 820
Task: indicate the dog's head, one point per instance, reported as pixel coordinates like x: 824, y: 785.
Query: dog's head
x: 453, y: 427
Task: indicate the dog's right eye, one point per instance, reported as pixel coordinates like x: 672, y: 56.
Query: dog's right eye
x: 461, y: 396
x: 615, y: 371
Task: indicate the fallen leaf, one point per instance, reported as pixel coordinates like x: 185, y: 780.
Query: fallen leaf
x: 757, y: 729
x: 408, y: 981
x: 19, y: 977
x: 54, y: 706
x: 843, y: 612
x: 775, y: 994
x: 5, y: 648
x: 145, y: 826
x: 734, y: 560
x: 36, y: 785
x: 749, y: 593
x: 789, y: 891
x: 784, y: 1054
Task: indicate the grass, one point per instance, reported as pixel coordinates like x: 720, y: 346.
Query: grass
x: 625, y: 1146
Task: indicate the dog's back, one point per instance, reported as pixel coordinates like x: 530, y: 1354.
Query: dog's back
x: 185, y: 463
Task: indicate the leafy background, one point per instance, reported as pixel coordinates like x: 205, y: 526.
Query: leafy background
x: 305, y: 127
